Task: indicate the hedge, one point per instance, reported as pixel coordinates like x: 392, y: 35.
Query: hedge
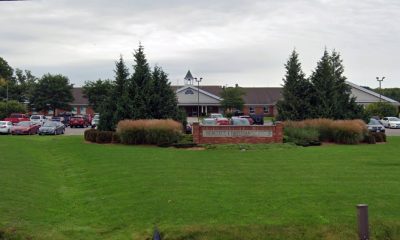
x: 97, y: 136
x: 91, y: 135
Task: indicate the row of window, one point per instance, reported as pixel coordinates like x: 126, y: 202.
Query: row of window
x: 253, y: 110
x: 75, y: 110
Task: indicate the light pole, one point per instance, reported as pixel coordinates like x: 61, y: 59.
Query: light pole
x: 198, y: 97
x: 380, y: 87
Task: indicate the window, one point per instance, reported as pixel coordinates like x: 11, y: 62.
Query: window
x: 266, y: 109
x: 189, y: 91
x: 83, y: 110
x: 251, y: 109
x: 74, y: 110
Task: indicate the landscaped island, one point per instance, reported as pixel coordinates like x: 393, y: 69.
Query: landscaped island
x: 64, y: 188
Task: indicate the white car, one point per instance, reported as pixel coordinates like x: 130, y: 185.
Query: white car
x: 38, y: 119
x: 5, y: 127
x: 391, y: 122
x: 216, y: 115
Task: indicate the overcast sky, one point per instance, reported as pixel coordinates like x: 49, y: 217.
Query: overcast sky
x: 225, y: 42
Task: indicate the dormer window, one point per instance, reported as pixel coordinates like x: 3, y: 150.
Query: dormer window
x: 189, y: 91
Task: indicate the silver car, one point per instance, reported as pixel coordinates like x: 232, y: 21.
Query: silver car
x: 52, y: 127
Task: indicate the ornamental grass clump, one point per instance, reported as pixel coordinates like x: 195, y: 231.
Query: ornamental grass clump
x: 338, y: 131
x: 153, y: 131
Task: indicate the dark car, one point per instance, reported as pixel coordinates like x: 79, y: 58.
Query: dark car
x: 25, y: 127
x: 258, y: 119
x: 52, y: 127
x: 375, y: 126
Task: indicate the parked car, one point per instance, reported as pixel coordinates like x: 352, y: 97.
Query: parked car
x: 39, y: 119
x: 258, y: 119
x: 52, y: 127
x: 238, y: 121
x: 391, y: 122
x: 5, y: 127
x: 188, y: 128
x: 57, y: 119
x: 238, y: 113
x: 17, y: 117
x: 223, y: 121
x: 65, y: 116
x: 216, y: 115
x: 250, y: 119
x: 95, y: 120
x: 375, y: 126
x: 78, y: 121
x: 209, y: 121
x: 25, y: 127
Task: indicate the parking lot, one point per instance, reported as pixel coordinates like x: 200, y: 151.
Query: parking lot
x: 74, y: 131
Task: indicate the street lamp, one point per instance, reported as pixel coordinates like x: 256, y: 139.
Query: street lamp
x: 198, y: 97
x: 380, y: 88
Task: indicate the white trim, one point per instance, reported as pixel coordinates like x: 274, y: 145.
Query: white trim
x: 372, y: 93
x: 200, y: 90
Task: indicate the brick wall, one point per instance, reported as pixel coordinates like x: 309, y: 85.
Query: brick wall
x: 259, y: 110
x: 277, y: 134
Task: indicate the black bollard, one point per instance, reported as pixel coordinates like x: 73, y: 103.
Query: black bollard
x: 362, y: 214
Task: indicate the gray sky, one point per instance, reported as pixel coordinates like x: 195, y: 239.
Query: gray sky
x: 225, y: 42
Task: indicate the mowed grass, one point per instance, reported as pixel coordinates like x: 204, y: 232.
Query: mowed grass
x: 60, y: 187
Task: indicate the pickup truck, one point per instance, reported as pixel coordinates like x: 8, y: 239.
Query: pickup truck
x: 17, y: 117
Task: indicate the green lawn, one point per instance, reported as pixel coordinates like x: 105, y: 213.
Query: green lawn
x: 59, y: 187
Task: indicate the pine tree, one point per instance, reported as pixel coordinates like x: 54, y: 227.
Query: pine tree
x: 331, y: 96
x: 346, y: 107
x: 123, y: 103
x: 296, y: 89
x: 141, y: 84
x: 164, y: 103
x: 324, y: 95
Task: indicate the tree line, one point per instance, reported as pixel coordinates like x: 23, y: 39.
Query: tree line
x: 18, y: 87
x: 324, y: 94
x: 144, y: 94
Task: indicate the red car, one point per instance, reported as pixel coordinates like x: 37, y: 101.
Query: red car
x: 26, y: 128
x: 78, y: 121
x: 17, y: 117
x: 223, y: 121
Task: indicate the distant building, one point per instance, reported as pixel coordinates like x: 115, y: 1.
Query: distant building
x: 258, y: 100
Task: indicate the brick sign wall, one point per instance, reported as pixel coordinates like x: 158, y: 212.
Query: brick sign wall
x: 237, y: 134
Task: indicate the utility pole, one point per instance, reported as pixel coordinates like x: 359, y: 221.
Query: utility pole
x: 380, y: 87
x: 198, y: 97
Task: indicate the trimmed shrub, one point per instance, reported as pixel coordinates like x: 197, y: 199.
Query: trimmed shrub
x: 104, y: 137
x: 379, y: 136
x: 370, y: 139
x: 155, y: 131
x: 115, y: 138
x: 91, y: 135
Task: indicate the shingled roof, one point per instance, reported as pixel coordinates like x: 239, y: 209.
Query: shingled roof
x: 79, y: 99
x: 255, y: 96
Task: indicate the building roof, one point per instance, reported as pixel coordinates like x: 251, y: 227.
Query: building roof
x: 375, y: 94
x: 79, y: 99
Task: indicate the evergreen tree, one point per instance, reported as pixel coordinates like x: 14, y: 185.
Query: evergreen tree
x: 97, y: 92
x: 331, y: 96
x: 296, y: 92
x: 123, y: 103
x: 164, y: 103
x: 346, y: 106
x: 324, y: 95
x: 141, y: 86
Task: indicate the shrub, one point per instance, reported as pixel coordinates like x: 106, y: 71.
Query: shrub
x: 11, y: 107
x: 91, y: 135
x: 379, y: 136
x: 104, y: 137
x: 339, y: 131
x: 154, y: 131
x: 381, y: 109
x: 115, y: 138
x: 302, y: 136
